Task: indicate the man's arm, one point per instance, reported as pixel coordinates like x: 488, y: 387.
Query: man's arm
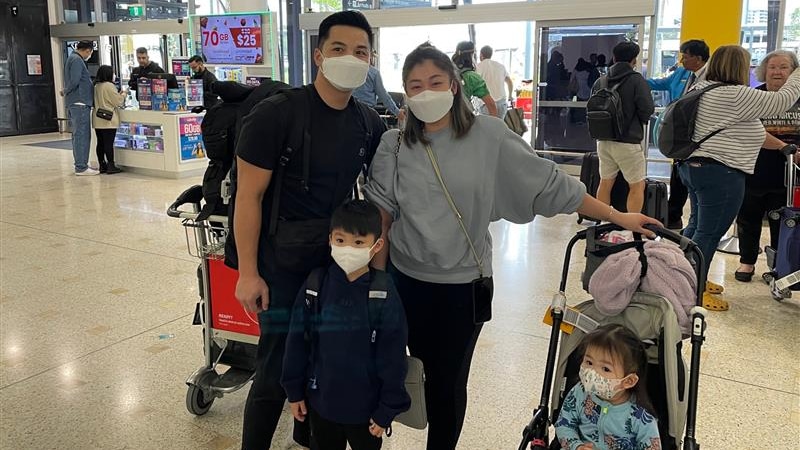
x: 510, y: 85
x: 661, y: 84
x: 252, y: 183
x: 134, y: 77
x: 73, y: 77
x: 490, y: 104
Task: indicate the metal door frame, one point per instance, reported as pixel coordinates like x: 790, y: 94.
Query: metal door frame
x: 629, y: 20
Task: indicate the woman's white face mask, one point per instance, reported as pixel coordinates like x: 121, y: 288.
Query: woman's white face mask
x: 430, y: 106
x: 345, y: 73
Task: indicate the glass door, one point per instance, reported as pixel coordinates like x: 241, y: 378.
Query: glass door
x: 570, y: 58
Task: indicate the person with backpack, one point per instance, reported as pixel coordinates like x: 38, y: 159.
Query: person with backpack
x: 439, y: 185
x: 474, y: 85
x: 620, y: 106
x: 728, y: 136
x: 345, y: 362
x: 694, y: 56
x: 298, y: 156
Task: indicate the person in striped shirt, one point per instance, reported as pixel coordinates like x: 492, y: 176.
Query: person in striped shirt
x: 715, y: 173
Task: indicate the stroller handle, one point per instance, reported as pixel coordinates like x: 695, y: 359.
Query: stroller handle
x: 191, y: 196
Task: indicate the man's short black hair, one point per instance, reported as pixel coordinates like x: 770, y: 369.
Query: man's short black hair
x: 196, y: 59
x: 696, y: 47
x: 487, y: 52
x: 84, y: 45
x: 358, y: 217
x: 141, y: 51
x: 346, y: 18
x: 626, y: 51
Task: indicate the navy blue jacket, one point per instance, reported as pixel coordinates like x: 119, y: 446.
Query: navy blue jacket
x: 356, y: 380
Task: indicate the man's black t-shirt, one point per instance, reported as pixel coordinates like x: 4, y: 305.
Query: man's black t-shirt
x: 339, y: 149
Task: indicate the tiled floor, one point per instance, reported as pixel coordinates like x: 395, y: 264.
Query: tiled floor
x: 96, y: 338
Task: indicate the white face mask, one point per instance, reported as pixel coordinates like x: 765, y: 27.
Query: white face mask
x: 430, y: 106
x: 594, y: 383
x: 349, y: 258
x: 345, y: 73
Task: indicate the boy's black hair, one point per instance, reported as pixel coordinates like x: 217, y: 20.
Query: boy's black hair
x: 346, y: 18
x: 696, y: 47
x: 626, y: 51
x: 359, y: 217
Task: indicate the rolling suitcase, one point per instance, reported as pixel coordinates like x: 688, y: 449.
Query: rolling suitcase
x: 784, y: 262
x: 655, y: 192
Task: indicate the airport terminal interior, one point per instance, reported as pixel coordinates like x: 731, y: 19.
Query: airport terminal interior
x: 99, y: 287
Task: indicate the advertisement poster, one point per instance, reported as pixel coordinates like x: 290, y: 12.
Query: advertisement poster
x: 232, y: 39
x: 194, y: 93
x: 159, y: 95
x: 34, y: 64
x: 191, y: 138
x: 144, y: 93
x: 180, y: 67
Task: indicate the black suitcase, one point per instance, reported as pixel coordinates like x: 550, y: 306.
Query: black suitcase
x: 655, y: 192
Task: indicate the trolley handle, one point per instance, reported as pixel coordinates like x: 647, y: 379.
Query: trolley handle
x: 191, y: 196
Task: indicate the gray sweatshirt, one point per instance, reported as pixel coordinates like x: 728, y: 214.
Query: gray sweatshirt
x: 491, y: 173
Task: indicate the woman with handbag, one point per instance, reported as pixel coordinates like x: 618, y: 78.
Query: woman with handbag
x: 439, y: 185
x: 106, y: 120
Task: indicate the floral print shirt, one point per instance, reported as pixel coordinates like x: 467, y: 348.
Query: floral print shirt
x: 587, y: 418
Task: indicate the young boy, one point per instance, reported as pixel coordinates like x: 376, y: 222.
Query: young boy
x: 345, y: 361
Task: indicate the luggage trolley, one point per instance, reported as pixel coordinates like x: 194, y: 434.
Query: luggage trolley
x: 784, y: 261
x: 230, y: 334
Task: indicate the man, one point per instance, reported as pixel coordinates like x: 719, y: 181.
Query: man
x: 694, y: 55
x: 198, y: 67
x: 79, y: 98
x: 625, y: 153
x: 496, y: 76
x: 146, y: 67
x: 372, y: 90
x: 341, y: 143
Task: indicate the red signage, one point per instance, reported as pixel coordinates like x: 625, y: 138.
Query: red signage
x: 227, y: 313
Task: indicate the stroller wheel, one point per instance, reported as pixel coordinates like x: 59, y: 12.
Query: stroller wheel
x: 768, y: 277
x: 774, y: 215
x: 196, y: 402
x: 791, y: 222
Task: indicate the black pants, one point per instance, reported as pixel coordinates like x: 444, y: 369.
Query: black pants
x: 678, y: 194
x: 335, y: 436
x: 756, y: 203
x: 441, y: 333
x: 266, y: 397
x: 105, y: 146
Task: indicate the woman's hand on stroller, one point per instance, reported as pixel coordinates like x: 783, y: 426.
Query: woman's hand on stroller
x: 635, y: 222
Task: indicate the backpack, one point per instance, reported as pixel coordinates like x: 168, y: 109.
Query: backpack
x: 416, y: 416
x: 219, y: 128
x: 676, y: 125
x: 604, y: 111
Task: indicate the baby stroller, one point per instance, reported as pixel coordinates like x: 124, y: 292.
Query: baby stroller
x: 784, y: 262
x: 672, y: 389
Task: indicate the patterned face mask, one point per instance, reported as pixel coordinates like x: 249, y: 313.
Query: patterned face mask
x: 594, y: 383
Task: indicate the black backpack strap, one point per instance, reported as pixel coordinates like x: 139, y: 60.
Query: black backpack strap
x: 702, y: 91
x: 311, y: 313
x: 299, y: 136
x: 378, y: 292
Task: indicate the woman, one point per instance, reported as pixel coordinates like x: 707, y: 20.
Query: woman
x: 491, y: 174
x: 715, y: 173
x: 765, y: 190
x: 473, y: 84
x: 106, y: 97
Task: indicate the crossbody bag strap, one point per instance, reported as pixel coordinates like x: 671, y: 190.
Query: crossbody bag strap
x: 438, y: 172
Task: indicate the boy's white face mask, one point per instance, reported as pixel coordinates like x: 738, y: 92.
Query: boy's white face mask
x: 345, y: 73
x: 350, y: 259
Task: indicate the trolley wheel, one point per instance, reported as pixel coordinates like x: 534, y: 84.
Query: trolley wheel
x: 774, y: 215
x: 196, y: 402
x: 768, y: 277
x: 791, y: 222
